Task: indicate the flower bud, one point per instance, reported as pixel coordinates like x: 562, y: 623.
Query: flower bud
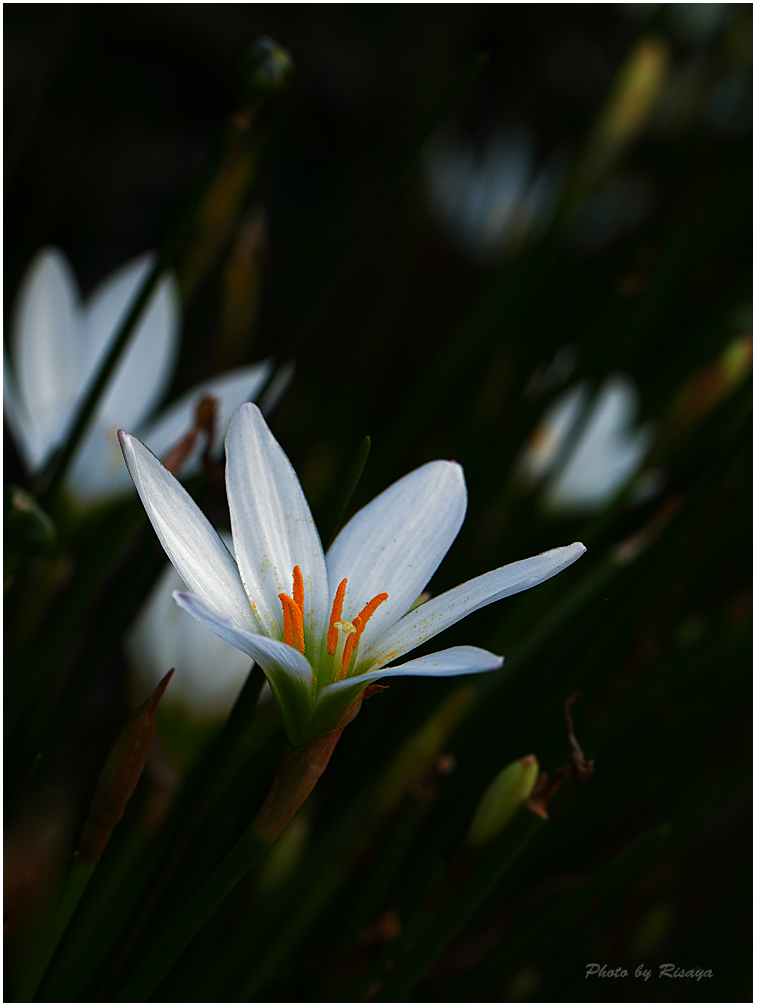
x: 119, y: 777
x: 502, y: 798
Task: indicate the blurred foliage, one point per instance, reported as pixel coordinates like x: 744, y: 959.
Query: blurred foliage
x: 319, y: 243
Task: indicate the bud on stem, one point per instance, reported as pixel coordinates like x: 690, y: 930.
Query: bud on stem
x: 298, y: 773
x: 502, y: 798
x: 116, y: 784
x: 119, y: 776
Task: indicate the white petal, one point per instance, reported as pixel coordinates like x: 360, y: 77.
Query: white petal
x: 97, y: 472
x: 396, y: 542
x: 439, y: 613
x: 551, y: 433
x: 453, y: 661
x: 209, y: 671
x: 272, y: 527
x: 190, y: 541
x: 145, y: 368
x: 607, y: 454
x: 332, y: 702
x: 20, y: 424
x: 45, y: 345
x: 277, y: 386
x: 288, y: 671
x: 230, y: 390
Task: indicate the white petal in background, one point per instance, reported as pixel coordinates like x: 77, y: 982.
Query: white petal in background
x: 607, y: 455
x: 490, y: 199
x: 209, y: 671
x: 230, y: 390
x: 549, y: 436
x: 44, y: 347
x: 145, y: 369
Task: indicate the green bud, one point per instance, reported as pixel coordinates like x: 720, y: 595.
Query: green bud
x: 502, y: 798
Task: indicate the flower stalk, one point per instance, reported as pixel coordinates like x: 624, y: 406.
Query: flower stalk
x: 117, y: 782
x: 299, y: 771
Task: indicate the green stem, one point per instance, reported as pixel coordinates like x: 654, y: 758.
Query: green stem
x: 298, y: 773
x: 76, y: 883
x: 470, y: 896
x: 559, y: 914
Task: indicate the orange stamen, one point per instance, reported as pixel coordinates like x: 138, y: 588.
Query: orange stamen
x: 294, y: 630
x: 359, y: 623
x: 368, y: 611
x: 288, y: 635
x: 298, y: 592
x: 336, y: 616
x: 349, y: 646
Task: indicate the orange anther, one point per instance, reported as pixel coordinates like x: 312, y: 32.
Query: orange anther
x: 288, y: 635
x: 298, y: 592
x: 336, y: 616
x: 359, y: 623
x: 294, y: 630
x: 368, y: 611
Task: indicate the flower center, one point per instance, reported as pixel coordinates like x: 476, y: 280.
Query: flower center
x: 342, y: 638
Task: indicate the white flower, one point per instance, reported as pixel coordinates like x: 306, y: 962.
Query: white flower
x: 209, y: 671
x: 57, y: 343
x: 586, y: 455
x: 323, y: 627
x: 491, y: 201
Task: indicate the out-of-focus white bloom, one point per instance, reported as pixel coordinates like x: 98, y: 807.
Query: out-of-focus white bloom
x: 585, y: 453
x: 57, y: 344
x: 492, y: 200
x: 209, y: 671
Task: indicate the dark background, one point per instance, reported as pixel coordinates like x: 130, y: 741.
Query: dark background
x: 111, y: 113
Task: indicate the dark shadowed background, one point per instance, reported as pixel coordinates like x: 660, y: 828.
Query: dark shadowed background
x: 406, y: 324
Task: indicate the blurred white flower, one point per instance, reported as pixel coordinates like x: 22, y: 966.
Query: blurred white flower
x: 209, y: 671
x: 58, y: 342
x: 492, y: 200
x: 586, y: 453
